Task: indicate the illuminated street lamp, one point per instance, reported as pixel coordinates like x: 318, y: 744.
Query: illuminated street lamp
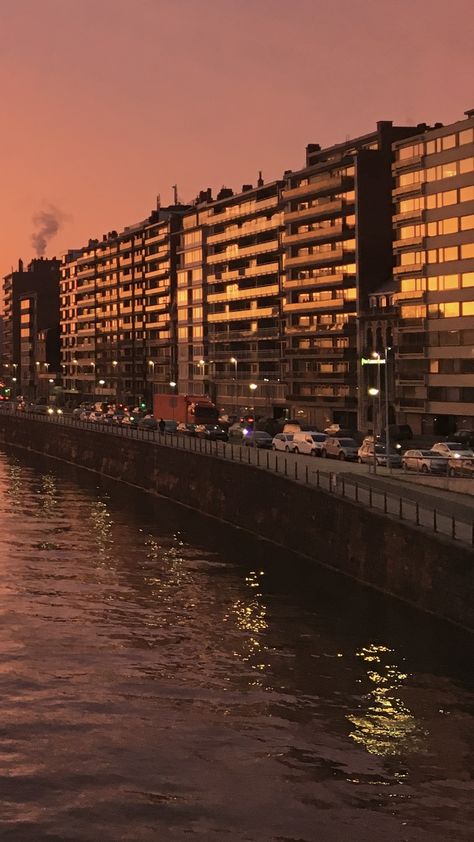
x: 173, y: 384
x: 252, y: 387
x: 373, y: 392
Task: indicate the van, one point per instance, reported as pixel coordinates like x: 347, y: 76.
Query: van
x: 309, y: 443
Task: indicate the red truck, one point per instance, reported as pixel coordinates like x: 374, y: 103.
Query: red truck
x: 185, y: 409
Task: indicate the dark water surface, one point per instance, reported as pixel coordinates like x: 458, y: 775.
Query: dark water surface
x: 163, y: 679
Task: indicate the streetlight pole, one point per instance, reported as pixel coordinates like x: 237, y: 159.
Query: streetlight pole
x: 235, y: 364
x: 387, y: 434
x: 373, y: 393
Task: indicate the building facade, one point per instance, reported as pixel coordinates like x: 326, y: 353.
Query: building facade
x: 434, y: 267
x: 337, y: 250
x: 118, y: 312
x: 229, y: 300
x: 31, y: 329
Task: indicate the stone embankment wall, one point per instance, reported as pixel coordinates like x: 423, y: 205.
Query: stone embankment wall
x: 427, y: 571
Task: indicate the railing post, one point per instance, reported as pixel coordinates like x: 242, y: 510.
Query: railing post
x: 276, y: 471
x: 286, y: 467
x: 400, y: 511
x: 248, y: 459
x: 385, y: 502
x: 417, y: 514
x: 357, y: 492
x: 435, y: 521
x: 296, y: 469
x: 268, y: 459
x: 370, y: 496
x: 453, y: 528
x: 317, y: 477
x: 343, y: 484
x: 307, y: 476
x: 258, y: 458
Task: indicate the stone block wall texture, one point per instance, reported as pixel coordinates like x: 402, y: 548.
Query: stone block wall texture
x: 429, y: 572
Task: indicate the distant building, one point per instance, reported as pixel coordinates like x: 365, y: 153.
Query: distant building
x: 377, y: 324
x: 434, y: 257
x: 229, y: 299
x: 31, y: 328
x: 118, y: 312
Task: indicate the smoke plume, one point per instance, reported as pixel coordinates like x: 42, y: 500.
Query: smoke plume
x: 47, y: 223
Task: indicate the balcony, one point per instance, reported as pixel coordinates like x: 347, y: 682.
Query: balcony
x: 308, y: 306
x: 244, y: 335
x: 245, y: 208
x: 322, y: 209
x: 328, y: 184
x: 255, y: 292
x: 321, y: 280
x: 330, y: 256
x: 408, y: 189
x: 247, y: 251
x: 252, y: 314
x: 239, y: 232
x: 316, y: 234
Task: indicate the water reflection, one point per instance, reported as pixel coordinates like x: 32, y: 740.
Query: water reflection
x: 250, y: 616
x: 101, y: 522
x: 385, y: 726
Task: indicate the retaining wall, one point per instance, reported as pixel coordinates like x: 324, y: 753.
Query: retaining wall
x: 427, y: 571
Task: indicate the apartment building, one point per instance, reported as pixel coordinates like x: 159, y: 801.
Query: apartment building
x: 30, y: 353
x: 229, y: 297
x: 118, y: 312
x: 434, y: 255
x: 337, y: 250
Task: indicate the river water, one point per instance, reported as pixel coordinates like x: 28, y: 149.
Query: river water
x: 163, y: 678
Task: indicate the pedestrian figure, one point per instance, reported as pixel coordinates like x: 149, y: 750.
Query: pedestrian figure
x: 162, y: 426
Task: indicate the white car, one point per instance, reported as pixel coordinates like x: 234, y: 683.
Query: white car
x: 283, y: 441
x: 452, y: 450
x: 310, y: 443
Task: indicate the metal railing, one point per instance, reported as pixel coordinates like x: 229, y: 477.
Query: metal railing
x: 359, y: 490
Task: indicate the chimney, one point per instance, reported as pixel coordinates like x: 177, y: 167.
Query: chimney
x: 225, y: 193
x: 313, y: 147
x: 246, y: 187
x: 20, y: 265
x: 260, y: 179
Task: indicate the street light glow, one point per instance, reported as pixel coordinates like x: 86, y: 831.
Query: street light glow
x: 373, y: 391
x: 253, y: 386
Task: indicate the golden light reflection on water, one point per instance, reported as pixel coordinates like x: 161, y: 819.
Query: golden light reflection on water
x: 48, y: 494
x: 250, y: 616
x: 102, y: 530
x: 387, y: 727
x: 15, y: 482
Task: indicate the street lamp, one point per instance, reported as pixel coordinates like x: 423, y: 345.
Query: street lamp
x: 173, y: 384
x: 377, y: 358
x: 373, y: 392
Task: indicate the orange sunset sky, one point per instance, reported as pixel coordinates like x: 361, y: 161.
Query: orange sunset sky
x: 105, y: 103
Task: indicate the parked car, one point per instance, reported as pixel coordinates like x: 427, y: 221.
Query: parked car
x: 283, y: 441
x: 464, y: 437
x: 148, y: 423
x: 343, y: 448
x: 452, y: 449
x: 239, y: 430
x: 186, y: 429
x: 257, y: 438
x: 309, y: 443
x: 365, y: 454
x: 424, y: 461
x: 213, y: 432
x: 461, y: 467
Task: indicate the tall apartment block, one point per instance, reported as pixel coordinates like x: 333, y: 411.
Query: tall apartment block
x: 434, y: 254
x: 229, y: 319
x: 337, y: 250
x: 118, y: 312
x: 30, y: 357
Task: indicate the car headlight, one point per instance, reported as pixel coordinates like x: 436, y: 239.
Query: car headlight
x: 50, y: 411
x: 457, y: 456
x: 398, y: 446
x: 60, y: 412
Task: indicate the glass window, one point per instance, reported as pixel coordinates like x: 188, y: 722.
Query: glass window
x: 468, y: 308
x: 467, y: 222
x: 467, y: 279
x: 466, y: 165
x: 467, y: 136
x: 450, y: 253
x: 450, y: 309
x: 466, y: 194
x: 448, y: 142
x: 467, y: 250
